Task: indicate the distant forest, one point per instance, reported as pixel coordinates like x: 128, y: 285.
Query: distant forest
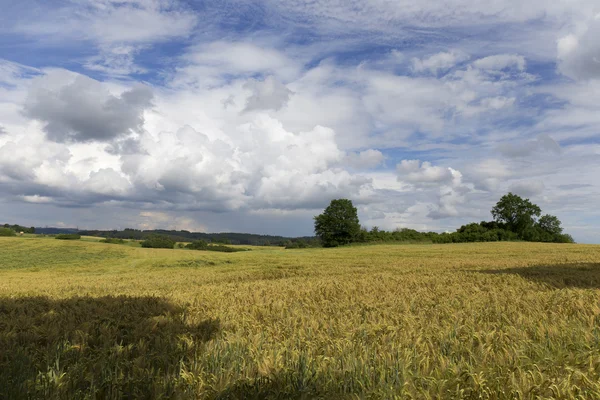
x: 186, y: 236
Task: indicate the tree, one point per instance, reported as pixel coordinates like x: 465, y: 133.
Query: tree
x: 68, y: 236
x: 7, y: 232
x: 550, y: 224
x: 517, y: 213
x: 158, y: 242
x: 338, y: 224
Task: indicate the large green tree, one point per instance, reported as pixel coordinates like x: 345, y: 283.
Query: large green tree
x: 338, y: 224
x: 550, y: 224
x: 516, y: 213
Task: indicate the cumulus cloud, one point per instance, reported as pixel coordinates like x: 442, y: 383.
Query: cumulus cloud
x: 415, y: 172
x: 107, y: 181
x: 269, y: 94
x: 488, y: 174
x: 77, y: 108
x: 365, y: 159
x: 527, y: 188
x: 22, y: 160
x: 543, y: 143
x: 262, y: 166
x: 579, y: 53
x: 2, y: 131
x: 439, y: 62
x: 450, y: 197
x: 125, y: 146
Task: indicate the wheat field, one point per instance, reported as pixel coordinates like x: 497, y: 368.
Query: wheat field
x: 87, y: 320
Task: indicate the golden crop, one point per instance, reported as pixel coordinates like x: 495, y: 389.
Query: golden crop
x: 469, y: 321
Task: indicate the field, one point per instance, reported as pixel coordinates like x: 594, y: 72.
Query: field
x: 82, y: 319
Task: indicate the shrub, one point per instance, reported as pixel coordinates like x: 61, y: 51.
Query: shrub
x: 113, y: 241
x: 202, y: 245
x: 224, y: 249
x: 300, y: 244
x: 7, y: 232
x: 68, y: 236
x: 158, y: 242
x: 197, y: 245
x: 563, y: 238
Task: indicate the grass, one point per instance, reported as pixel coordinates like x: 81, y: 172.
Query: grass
x: 84, y: 319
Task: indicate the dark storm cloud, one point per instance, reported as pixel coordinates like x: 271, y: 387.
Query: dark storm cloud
x: 82, y: 110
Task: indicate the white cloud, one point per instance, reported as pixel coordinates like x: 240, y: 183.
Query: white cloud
x: 109, y: 21
x: 208, y: 62
x: 527, y: 188
x: 439, y: 62
x: 37, y: 199
x: 414, y: 171
x: 116, y: 60
x: 579, y: 53
x: 269, y: 94
x: 500, y: 62
x: 488, y: 174
x: 365, y: 159
x: 543, y: 143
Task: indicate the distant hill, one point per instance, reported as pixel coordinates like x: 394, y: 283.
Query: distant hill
x: 54, y: 231
x: 185, y: 236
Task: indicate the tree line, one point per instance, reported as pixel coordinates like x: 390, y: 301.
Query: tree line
x: 17, y: 228
x: 187, y: 236
x: 514, y: 218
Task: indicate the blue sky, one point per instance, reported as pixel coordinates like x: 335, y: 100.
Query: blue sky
x: 245, y: 115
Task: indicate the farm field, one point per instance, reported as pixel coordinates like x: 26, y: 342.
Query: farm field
x: 83, y: 319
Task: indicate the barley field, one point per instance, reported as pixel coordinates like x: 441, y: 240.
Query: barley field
x: 88, y: 320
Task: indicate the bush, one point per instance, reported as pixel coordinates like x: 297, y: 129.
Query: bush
x: 563, y: 238
x: 224, y: 249
x: 68, y: 236
x: 197, y: 245
x: 19, y: 228
x: 299, y: 244
x: 7, y: 232
x: 158, y: 242
x: 113, y: 241
x: 202, y: 245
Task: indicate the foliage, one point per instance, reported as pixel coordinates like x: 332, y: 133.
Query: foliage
x: 68, y: 236
x: 7, y: 232
x: 550, y: 224
x: 517, y: 213
x: 158, y: 242
x: 338, y: 225
x: 19, y: 228
x: 493, y: 321
x: 202, y: 245
x: 113, y: 241
x: 197, y: 245
x: 515, y: 220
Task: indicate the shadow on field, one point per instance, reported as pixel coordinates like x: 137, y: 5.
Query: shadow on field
x: 108, y: 347
x: 580, y: 275
x: 283, y: 386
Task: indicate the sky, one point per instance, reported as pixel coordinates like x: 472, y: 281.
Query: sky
x: 252, y: 115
